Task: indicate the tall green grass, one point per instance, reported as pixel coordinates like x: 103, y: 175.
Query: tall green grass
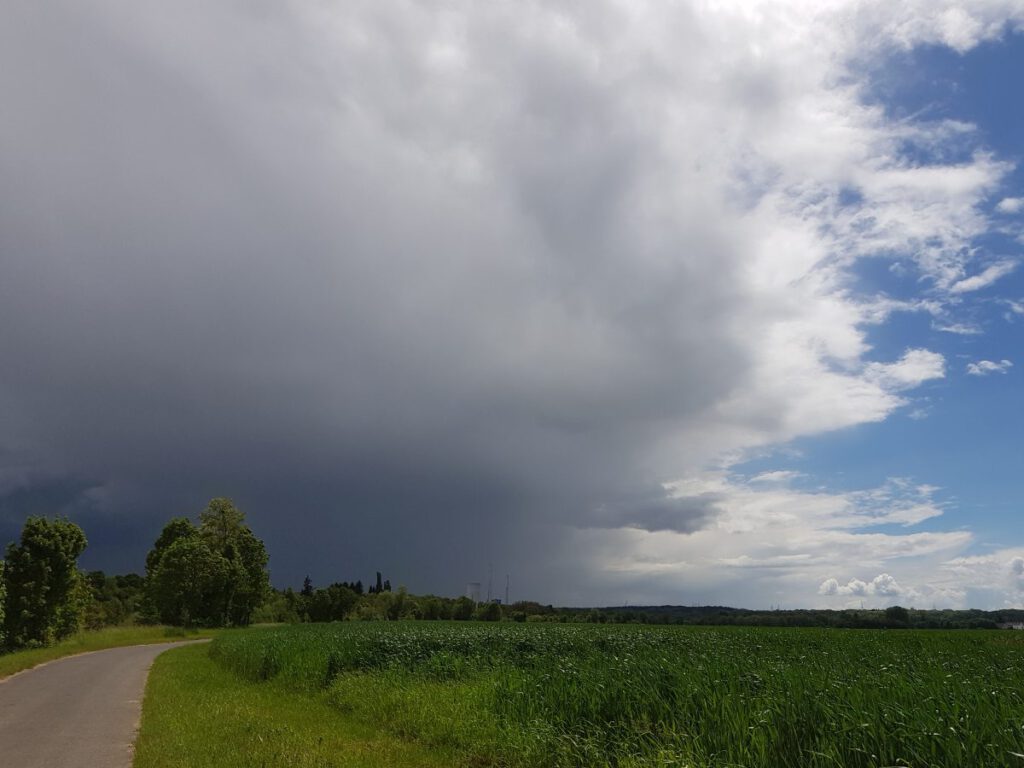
x: 199, y: 715
x: 555, y: 695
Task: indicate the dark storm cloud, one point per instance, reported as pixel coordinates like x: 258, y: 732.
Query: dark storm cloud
x: 685, y: 514
x: 413, y: 314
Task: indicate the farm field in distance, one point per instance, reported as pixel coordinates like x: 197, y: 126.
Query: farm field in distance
x: 532, y: 695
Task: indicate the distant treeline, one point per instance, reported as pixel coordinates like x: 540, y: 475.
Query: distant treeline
x: 345, y: 601
x: 894, y: 617
x: 214, y: 573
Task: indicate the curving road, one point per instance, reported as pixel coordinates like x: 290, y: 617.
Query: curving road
x: 77, y: 712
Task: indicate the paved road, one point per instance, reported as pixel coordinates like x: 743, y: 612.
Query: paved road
x: 77, y: 712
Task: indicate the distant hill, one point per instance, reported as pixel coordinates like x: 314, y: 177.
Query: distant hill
x: 893, y: 617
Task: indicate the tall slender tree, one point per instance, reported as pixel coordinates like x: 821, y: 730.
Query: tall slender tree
x: 222, y: 526
x: 45, y: 594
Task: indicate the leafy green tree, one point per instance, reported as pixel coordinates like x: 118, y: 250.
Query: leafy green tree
x: 45, y: 594
x: 220, y: 523
x: 331, y: 604
x: 463, y: 608
x: 278, y: 608
x: 897, y: 614
x: 177, y: 529
x: 431, y: 608
x: 399, y: 605
x: 113, y: 600
x: 222, y: 526
x: 230, y: 579
x: 488, y: 612
x: 188, y: 584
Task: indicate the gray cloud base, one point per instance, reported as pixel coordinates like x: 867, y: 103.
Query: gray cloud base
x: 412, y: 321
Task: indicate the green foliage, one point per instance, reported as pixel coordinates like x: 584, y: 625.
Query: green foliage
x: 551, y: 695
x: 177, y: 529
x: 45, y: 594
x: 897, y: 615
x: 188, y: 585
x: 279, y: 608
x: 463, y: 609
x: 114, y: 600
x: 214, y: 575
x: 222, y: 527
x: 432, y: 608
x: 220, y: 523
x: 488, y: 612
x: 331, y: 604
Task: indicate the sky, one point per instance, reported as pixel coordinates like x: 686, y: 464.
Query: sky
x: 692, y: 302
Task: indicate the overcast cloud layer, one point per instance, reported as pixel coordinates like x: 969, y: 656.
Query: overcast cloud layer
x: 429, y: 286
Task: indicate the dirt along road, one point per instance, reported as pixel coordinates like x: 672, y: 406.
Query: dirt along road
x: 77, y: 712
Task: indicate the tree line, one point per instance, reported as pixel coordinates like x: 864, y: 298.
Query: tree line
x: 343, y: 601
x: 213, y: 573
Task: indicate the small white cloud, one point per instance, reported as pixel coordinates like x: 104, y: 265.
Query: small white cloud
x: 1014, y: 309
x: 778, y: 477
x: 985, y: 367
x: 1011, y: 205
x: 914, y: 368
x: 883, y: 585
x: 854, y: 587
x: 961, y: 329
x: 829, y: 587
x: 985, y: 278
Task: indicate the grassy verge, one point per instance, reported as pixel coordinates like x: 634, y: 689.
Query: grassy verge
x: 98, y: 640
x: 198, y: 714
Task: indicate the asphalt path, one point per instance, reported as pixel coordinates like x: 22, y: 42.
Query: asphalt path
x: 77, y: 712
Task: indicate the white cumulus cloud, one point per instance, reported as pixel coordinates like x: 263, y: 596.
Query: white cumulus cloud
x: 883, y: 585
x: 915, y: 367
x: 985, y: 367
x: 985, y: 278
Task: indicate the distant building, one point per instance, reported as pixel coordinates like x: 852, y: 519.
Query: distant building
x: 473, y: 591
x: 1011, y: 625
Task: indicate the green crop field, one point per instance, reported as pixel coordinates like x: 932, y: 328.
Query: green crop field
x: 595, y: 695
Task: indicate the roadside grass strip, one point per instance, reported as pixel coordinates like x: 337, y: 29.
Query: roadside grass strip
x: 94, y: 640
x: 197, y: 714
